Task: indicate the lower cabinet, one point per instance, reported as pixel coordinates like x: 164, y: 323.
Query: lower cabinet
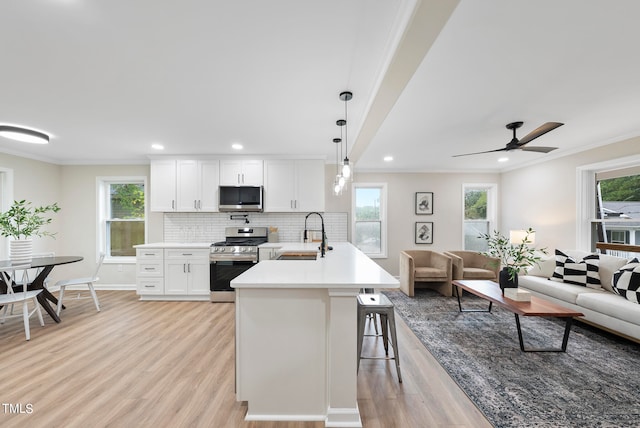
x: 173, y: 274
x: 186, y: 272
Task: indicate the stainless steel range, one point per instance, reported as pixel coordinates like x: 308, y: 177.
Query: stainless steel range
x: 229, y: 258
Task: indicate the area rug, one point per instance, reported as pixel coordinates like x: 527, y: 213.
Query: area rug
x: 596, y: 383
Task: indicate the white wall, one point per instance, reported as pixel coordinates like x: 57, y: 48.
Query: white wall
x: 543, y: 196
x: 447, y: 209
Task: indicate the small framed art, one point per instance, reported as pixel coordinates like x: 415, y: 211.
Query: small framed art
x: 424, y: 202
x: 424, y: 232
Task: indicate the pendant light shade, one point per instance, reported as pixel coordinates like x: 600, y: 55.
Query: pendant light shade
x: 346, y: 167
x: 24, y: 135
x: 337, y: 187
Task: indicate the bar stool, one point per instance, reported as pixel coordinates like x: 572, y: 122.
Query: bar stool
x: 381, y: 305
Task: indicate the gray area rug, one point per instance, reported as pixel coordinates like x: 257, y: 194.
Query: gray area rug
x: 596, y: 383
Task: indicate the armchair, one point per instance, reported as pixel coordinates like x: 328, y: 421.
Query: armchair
x: 473, y: 265
x: 424, y: 268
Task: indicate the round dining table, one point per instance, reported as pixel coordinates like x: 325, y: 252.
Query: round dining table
x: 46, y: 264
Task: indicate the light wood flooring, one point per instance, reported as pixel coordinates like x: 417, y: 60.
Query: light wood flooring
x: 171, y: 364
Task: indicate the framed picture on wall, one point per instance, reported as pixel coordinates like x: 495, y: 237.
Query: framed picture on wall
x: 424, y: 232
x: 424, y: 202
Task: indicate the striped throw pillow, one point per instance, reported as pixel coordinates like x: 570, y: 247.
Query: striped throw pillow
x: 583, y: 272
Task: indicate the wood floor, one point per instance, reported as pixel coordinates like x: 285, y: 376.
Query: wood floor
x: 171, y: 364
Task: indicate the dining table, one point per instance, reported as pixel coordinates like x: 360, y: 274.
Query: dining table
x: 44, y: 265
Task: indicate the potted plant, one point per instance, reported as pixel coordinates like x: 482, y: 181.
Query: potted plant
x: 21, y: 222
x: 514, y: 257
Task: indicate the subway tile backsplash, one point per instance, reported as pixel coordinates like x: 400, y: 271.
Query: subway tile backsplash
x: 209, y: 227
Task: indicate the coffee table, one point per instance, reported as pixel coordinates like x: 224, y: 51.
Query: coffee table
x: 537, y: 307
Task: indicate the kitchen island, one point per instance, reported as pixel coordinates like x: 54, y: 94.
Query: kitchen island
x: 296, y: 335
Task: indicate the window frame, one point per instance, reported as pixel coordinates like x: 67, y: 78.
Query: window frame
x: 492, y: 206
x: 102, y: 215
x: 383, y: 216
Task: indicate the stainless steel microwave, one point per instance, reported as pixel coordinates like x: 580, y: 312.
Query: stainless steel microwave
x: 240, y: 198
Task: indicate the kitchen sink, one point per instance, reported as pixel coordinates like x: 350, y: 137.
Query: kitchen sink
x: 300, y: 255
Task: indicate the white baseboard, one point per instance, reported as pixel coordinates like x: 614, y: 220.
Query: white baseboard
x: 98, y: 286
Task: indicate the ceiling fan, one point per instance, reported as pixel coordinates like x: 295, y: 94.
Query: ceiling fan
x: 516, y: 144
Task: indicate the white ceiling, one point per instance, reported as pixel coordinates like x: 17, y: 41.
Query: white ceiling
x: 109, y: 78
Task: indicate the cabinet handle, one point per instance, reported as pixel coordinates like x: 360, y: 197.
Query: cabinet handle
x: 243, y: 178
x: 184, y: 268
x: 187, y: 254
x: 195, y: 204
x: 149, y: 286
x: 239, y: 179
x: 199, y: 204
x: 149, y: 268
x: 189, y: 267
x: 173, y: 204
x: 149, y: 254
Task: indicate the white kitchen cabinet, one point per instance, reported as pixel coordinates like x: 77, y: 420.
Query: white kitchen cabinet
x: 197, y: 185
x: 235, y: 172
x: 163, y: 185
x: 149, y: 272
x: 184, y: 185
x: 294, y: 185
x: 186, y: 272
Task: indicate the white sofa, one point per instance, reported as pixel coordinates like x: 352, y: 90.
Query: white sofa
x: 601, y: 307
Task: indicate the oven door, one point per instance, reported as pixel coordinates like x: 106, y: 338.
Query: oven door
x: 223, y: 271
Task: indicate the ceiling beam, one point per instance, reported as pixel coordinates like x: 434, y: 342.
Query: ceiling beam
x: 427, y: 21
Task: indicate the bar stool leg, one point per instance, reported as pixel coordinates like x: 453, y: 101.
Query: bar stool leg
x: 394, y: 337
x: 384, y: 321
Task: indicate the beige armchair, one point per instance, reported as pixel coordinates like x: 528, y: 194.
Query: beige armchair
x: 473, y: 265
x: 425, y: 268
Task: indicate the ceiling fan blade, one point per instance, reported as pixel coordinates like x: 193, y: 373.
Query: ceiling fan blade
x: 537, y: 149
x: 479, y: 153
x: 541, y: 130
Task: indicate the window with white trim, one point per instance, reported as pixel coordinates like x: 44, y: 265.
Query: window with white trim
x: 369, y: 208
x: 121, y: 217
x: 479, y: 214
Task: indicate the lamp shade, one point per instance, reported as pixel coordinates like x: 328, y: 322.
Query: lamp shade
x: 520, y: 237
x: 25, y: 135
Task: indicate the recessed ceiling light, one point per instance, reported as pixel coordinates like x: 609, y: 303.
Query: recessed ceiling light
x: 24, y: 135
x: 157, y: 146
x: 503, y: 159
x: 237, y: 146
x: 388, y: 158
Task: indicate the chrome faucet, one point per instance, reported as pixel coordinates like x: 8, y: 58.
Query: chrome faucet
x: 323, y: 244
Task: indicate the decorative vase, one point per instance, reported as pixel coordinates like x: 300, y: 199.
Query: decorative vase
x: 20, y: 250
x: 505, y: 281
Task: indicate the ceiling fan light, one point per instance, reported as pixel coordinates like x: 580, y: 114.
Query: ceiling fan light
x: 24, y: 135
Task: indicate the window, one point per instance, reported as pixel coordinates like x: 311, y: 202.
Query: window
x: 617, y: 211
x: 122, y: 212
x: 369, y: 209
x: 479, y: 203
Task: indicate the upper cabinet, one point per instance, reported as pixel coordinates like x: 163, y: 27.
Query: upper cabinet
x: 163, y: 185
x: 184, y: 185
x: 293, y: 185
x: 241, y: 172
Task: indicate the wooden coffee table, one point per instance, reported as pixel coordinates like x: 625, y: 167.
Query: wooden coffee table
x: 537, y: 307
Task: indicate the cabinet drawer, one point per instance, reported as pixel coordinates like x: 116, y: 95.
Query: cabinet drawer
x: 150, y: 268
x: 150, y: 286
x: 190, y: 254
x: 145, y: 254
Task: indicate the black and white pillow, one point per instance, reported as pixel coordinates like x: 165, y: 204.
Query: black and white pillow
x: 584, y: 272
x: 626, y: 281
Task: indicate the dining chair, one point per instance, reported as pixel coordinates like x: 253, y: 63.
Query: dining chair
x: 9, y: 275
x: 63, y: 284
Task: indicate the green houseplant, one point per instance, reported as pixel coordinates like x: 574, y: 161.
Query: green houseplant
x: 21, y: 222
x: 514, y: 257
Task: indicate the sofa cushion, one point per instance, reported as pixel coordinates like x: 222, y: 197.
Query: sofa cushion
x: 429, y: 272
x: 612, y: 305
x: 607, y: 267
x: 626, y: 281
x: 477, y: 273
x: 544, y: 268
x: 583, y: 272
x: 559, y: 290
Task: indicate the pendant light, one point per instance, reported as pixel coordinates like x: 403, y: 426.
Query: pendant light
x: 346, y: 168
x: 341, y: 178
x: 337, y: 188
x: 24, y: 135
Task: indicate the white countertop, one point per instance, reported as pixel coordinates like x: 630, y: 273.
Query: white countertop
x: 197, y: 245
x: 344, y: 266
